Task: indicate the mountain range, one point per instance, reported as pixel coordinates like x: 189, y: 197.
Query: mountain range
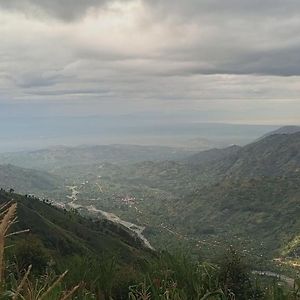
x: 53, y: 157
x: 249, y: 193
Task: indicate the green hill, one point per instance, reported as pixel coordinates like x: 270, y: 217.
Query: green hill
x: 65, y: 233
x: 274, y: 155
x: 212, y: 155
x: 102, y: 257
x: 261, y: 212
x: 250, y: 193
x: 28, y: 181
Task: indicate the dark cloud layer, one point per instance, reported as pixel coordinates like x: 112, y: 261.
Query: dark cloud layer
x: 240, y: 36
x: 66, y: 10
x: 71, y: 9
x: 264, y: 8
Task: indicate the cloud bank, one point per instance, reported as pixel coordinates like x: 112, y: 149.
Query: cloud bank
x: 156, y: 55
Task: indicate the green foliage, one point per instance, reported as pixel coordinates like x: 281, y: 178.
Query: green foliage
x: 28, y: 180
x: 276, y: 291
x: 97, y: 274
x: 30, y: 251
x: 234, y: 277
x: 178, y: 276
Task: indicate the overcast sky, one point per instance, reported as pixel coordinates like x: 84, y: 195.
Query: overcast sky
x: 232, y: 61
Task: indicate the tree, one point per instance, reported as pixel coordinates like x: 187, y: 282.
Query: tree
x: 234, y: 277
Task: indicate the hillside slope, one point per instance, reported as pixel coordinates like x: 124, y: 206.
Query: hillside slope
x: 27, y: 180
x: 212, y: 155
x: 263, y: 212
x: 284, y: 130
x: 274, y: 155
x: 65, y: 233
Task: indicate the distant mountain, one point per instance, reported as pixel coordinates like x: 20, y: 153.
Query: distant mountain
x: 51, y: 158
x: 29, y: 133
x: 274, y: 155
x: 27, y: 180
x: 253, y: 193
x: 212, y: 155
x: 284, y: 130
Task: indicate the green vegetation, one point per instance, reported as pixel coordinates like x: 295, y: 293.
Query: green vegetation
x: 29, y: 181
x: 246, y: 198
x: 104, y: 262
x: 27, y: 275
x: 292, y: 248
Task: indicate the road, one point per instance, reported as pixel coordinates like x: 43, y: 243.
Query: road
x: 288, y: 280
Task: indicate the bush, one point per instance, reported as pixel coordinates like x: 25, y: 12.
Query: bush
x: 31, y: 251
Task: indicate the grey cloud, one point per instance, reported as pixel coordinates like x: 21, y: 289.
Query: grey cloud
x: 174, y: 51
x: 66, y: 10
x: 241, y: 42
x: 37, y: 80
x: 267, y: 8
x: 77, y: 92
x: 72, y: 9
x: 276, y: 62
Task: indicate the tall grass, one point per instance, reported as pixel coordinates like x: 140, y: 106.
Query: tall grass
x: 24, y: 287
x: 179, y: 277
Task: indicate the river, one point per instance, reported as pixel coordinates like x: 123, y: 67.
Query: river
x: 136, y: 229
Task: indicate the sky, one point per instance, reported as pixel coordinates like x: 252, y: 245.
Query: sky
x: 233, y: 61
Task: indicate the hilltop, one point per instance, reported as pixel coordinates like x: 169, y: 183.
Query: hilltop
x: 273, y: 155
x: 284, y: 130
